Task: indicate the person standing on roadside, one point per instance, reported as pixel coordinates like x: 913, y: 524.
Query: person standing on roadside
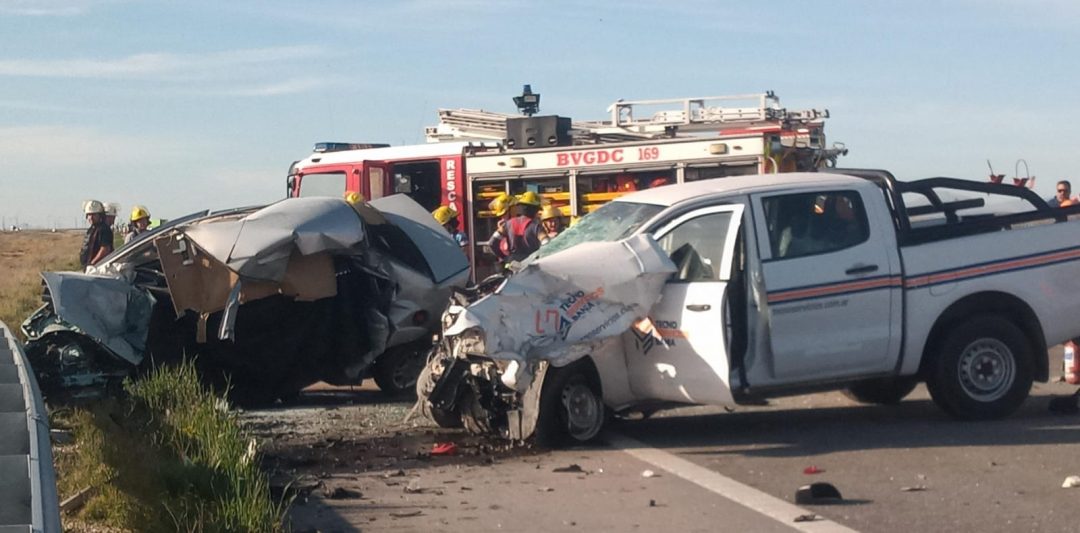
x: 140, y: 223
x: 98, y: 241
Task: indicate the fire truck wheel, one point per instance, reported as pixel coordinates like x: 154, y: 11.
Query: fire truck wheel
x: 883, y: 391
x: 983, y: 370
x: 571, y: 406
x: 395, y: 372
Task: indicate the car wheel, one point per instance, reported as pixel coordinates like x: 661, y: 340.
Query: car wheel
x: 395, y: 372
x: 884, y: 391
x: 442, y: 417
x: 571, y: 406
x: 983, y: 369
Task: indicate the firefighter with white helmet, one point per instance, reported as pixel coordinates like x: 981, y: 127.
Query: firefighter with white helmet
x: 98, y: 241
x: 110, y: 213
x: 140, y: 223
x: 447, y: 217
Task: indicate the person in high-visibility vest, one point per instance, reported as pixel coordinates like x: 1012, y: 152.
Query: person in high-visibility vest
x: 524, y: 230
x: 499, y: 243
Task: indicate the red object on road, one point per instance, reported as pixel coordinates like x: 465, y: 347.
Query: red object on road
x: 812, y: 470
x: 443, y: 448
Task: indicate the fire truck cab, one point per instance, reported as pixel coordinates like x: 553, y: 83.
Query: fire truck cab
x: 432, y: 174
x: 576, y: 167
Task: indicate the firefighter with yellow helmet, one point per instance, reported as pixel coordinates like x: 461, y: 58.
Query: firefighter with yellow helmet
x: 551, y: 222
x: 499, y: 243
x: 447, y: 217
x: 140, y: 223
x: 523, y: 230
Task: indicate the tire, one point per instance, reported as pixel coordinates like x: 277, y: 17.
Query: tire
x: 441, y: 417
x: 983, y: 369
x: 572, y: 407
x: 395, y: 372
x: 882, y: 391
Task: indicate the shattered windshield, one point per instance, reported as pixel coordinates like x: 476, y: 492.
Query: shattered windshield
x: 613, y: 221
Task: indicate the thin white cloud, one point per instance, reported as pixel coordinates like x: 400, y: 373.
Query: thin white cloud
x: 278, y: 89
x: 157, y: 66
x: 26, y: 105
x: 50, y: 8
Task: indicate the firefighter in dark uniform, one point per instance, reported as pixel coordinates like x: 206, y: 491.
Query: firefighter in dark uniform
x: 98, y: 241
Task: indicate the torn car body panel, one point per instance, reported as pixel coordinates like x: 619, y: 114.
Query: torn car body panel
x: 557, y: 308
x: 302, y: 290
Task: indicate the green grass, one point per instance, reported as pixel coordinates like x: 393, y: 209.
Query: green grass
x: 170, y: 457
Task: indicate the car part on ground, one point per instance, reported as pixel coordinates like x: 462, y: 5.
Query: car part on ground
x: 266, y: 300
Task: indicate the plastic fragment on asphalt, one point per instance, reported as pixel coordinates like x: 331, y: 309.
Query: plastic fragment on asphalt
x: 444, y: 448
x: 1071, y: 482
x: 817, y: 493
x: 648, y: 474
x: 915, y: 488
x: 812, y: 470
x: 807, y: 517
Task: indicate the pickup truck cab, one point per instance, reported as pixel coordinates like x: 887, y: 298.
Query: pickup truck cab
x: 795, y: 283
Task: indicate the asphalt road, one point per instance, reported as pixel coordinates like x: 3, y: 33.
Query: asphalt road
x: 899, y: 468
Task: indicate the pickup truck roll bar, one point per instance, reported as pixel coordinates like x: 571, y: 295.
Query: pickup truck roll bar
x: 955, y: 225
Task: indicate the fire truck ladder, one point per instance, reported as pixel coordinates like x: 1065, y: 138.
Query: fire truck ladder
x: 675, y: 118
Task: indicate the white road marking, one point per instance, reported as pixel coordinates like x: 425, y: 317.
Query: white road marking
x: 744, y: 495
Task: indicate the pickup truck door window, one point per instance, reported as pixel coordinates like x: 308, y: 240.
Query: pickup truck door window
x: 680, y: 354
x: 829, y: 286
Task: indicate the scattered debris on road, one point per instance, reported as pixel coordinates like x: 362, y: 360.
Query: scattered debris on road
x: 817, y: 493
x: 1071, y: 482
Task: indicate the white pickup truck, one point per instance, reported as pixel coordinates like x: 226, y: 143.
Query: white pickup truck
x: 771, y: 286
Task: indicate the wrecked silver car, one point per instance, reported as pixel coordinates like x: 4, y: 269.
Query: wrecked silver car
x: 266, y: 300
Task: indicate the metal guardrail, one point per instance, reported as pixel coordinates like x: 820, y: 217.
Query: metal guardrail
x: 28, y: 498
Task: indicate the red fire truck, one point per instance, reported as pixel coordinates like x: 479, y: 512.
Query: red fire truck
x: 474, y: 155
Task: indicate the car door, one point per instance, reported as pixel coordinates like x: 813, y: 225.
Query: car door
x: 830, y: 288
x: 680, y: 354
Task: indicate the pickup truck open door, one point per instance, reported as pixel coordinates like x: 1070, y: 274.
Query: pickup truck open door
x: 682, y: 354
x: 833, y: 290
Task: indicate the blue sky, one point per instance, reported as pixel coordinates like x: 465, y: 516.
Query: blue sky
x: 186, y: 105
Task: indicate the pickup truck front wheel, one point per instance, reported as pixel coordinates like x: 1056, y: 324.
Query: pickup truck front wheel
x: 571, y: 406
x: 983, y: 370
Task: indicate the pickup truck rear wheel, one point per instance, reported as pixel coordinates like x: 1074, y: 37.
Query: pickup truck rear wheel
x: 983, y: 369
x: 571, y: 407
x: 883, y: 391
